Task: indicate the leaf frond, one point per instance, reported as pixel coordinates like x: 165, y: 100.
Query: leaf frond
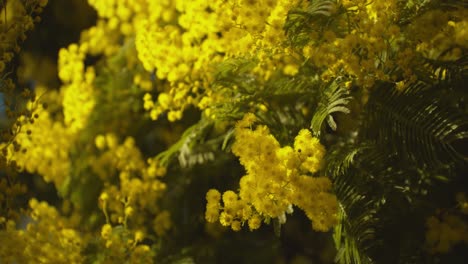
x: 416, y: 125
x: 316, y: 17
x: 333, y: 99
x: 354, y: 236
x: 184, y: 146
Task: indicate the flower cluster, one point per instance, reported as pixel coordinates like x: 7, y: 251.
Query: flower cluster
x: 440, y: 35
x: 139, y: 185
x: 277, y: 178
x: 185, y: 50
x: 42, y: 241
x: 121, y: 14
x: 42, y: 146
x: 120, y: 242
x: 78, y: 98
x: 363, y: 53
x: 18, y: 19
x: 445, y: 232
x: 448, y: 228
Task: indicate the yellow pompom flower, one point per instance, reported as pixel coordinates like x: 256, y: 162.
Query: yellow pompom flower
x: 309, y: 150
x: 225, y: 219
x: 100, y: 142
x: 229, y: 197
x: 46, y: 145
x: 445, y: 232
x: 255, y: 222
x: 213, y: 195
x: 106, y: 231
x: 273, y: 183
x: 162, y: 223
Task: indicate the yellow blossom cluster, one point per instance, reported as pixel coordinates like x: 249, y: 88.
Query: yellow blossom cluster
x: 449, y: 228
x: 61, y: 242
x: 130, y: 207
x: 182, y: 41
x: 119, y: 241
x: 48, y: 238
x: 42, y: 146
x: 185, y: 50
x: 235, y: 211
x: 440, y: 34
x: 375, y: 43
x: 363, y: 53
x: 139, y: 185
x: 101, y: 39
x: 78, y: 98
x: 16, y: 21
x: 122, y: 15
x: 445, y: 232
x: 121, y: 18
x: 277, y: 179
x: 124, y: 245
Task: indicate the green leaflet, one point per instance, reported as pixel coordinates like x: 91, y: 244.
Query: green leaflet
x: 333, y: 99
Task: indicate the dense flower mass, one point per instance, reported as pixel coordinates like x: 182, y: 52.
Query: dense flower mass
x: 276, y: 180
x: 42, y: 241
x: 188, y: 48
x: 78, y: 99
x: 443, y: 234
x: 43, y: 146
x: 147, y: 131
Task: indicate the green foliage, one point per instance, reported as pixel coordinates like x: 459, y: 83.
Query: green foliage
x: 235, y: 81
x: 348, y: 251
x: 333, y: 99
x: 355, y: 234
x: 415, y: 124
x: 315, y: 17
x: 406, y: 146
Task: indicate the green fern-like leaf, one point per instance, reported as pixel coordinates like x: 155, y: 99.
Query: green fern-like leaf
x: 236, y: 73
x: 371, y: 186
x: 348, y: 250
x: 317, y: 16
x: 416, y: 125
x: 333, y: 100
x: 246, y: 92
x: 406, y: 143
x: 412, y: 9
x: 354, y: 236
x: 443, y: 72
x: 184, y: 146
x: 297, y: 86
